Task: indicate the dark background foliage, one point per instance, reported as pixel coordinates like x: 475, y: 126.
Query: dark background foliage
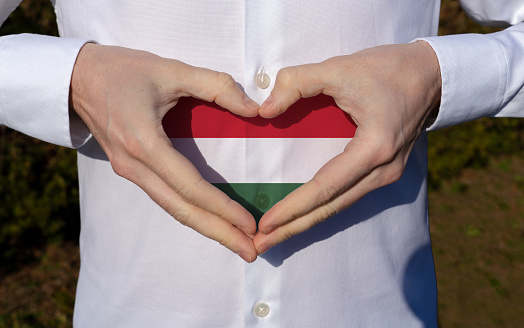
x: 38, y: 181
x: 471, y: 166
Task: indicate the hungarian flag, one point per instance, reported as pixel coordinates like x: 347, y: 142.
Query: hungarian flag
x: 258, y: 161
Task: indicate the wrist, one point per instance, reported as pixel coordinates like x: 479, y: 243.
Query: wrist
x: 83, y: 66
x: 431, y: 69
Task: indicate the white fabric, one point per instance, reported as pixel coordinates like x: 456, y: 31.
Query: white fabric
x: 482, y: 75
x: 6, y: 7
x: 370, y: 266
x: 277, y: 159
x: 29, y: 66
x: 495, y: 13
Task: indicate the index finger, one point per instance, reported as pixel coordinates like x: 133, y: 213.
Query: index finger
x: 159, y: 156
x: 218, y: 87
x: 319, y: 198
x: 207, y: 223
x: 291, y: 84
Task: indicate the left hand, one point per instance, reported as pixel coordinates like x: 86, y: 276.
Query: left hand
x: 122, y: 95
x: 389, y: 91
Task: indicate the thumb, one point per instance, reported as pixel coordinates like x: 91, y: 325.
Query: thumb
x: 219, y: 87
x: 291, y: 84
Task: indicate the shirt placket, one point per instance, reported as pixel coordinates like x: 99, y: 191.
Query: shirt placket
x: 263, y: 49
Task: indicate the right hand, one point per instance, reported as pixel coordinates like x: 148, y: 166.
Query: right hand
x: 122, y: 96
x: 389, y: 92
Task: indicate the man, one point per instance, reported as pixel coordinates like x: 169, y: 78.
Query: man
x: 369, y: 265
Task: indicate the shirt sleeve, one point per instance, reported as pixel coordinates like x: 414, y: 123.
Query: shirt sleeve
x: 6, y: 7
x: 35, y: 75
x: 494, y: 13
x: 482, y: 75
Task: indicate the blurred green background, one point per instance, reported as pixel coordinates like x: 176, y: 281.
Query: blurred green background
x: 476, y: 183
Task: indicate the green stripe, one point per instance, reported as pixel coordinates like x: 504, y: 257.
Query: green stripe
x: 257, y: 198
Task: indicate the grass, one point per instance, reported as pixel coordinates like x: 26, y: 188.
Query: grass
x: 478, y: 244
x: 41, y: 294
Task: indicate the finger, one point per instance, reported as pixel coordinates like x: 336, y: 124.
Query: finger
x: 291, y: 84
x: 378, y: 177
x: 181, y: 176
x: 368, y: 183
x: 195, y: 217
x: 332, y: 179
x: 219, y: 87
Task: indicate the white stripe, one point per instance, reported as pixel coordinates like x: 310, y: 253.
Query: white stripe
x: 259, y: 160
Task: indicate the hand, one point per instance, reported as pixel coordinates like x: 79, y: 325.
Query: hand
x: 389, y: 91
x: 122, y: 96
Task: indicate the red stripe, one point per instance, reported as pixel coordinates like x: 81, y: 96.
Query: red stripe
x: 316, y: 117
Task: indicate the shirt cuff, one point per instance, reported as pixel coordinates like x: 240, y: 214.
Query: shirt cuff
x: 35, y: 77
x: 474, y: 73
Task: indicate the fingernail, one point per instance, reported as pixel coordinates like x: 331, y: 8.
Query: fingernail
x: 245, y: 257
x: 266, y: 105
x: 262, y: 249
x: 250, y: 103
x: 247, y: 231
x: 268, y: 230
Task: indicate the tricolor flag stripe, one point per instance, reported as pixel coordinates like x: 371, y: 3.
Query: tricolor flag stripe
x: 316, y: 117
x: 257, y: 198
x: 256, y: 161
x: 259, y: 160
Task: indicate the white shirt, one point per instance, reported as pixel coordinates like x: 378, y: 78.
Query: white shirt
x: 370, y: 266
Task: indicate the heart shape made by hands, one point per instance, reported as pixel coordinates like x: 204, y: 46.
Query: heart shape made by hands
x: 196, y: 127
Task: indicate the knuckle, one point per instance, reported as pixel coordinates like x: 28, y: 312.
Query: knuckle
x: 144, y: 147
x: 287, y: 75
x: 287, y: 233
x: 140, y: 146
x: 186, y: 192
x: 221, y: 210
x: 134, y: 147
x: 326, y: 193
x: 386, y: 152
x: 183, y: 215
x: 395, y: 172
x: 226, y: 80
x: 389, y: 173
x: 324, y: 212
x: 121, y: 167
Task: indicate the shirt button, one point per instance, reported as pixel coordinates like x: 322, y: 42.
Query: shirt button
x: 262, y: 201
x: 261, y: 309
x: 262, y: 80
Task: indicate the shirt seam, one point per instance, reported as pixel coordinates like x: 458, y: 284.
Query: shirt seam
x: 502, y: 71
x: 7, y: 39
